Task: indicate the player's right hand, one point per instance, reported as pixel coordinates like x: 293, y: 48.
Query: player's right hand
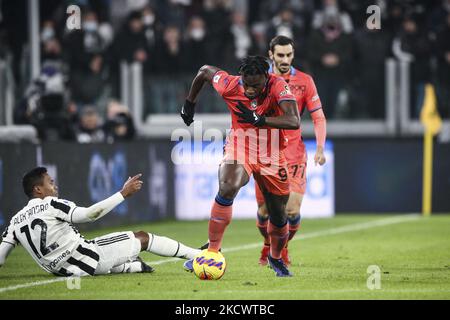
x: 187, y: 112
x: 131, y: 186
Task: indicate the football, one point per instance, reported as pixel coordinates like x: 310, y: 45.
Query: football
x: 209, y: 265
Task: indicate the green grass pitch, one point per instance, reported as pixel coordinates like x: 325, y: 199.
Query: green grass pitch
x: 330, y: 260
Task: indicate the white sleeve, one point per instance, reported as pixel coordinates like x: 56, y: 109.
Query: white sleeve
x: 8, y: 236
x: 5, y: 250
x: 63, y: 209
x: 96, y: 211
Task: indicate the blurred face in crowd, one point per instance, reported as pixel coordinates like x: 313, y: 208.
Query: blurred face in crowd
x: 282, y: 57
x: 89, y: 120
x: 254, y: 85
x: 171, y: 35
x: 48, y: 31
x: 90, y: 22
x: 197, y: 28
x: 136, y: 25
x: 410, y: 26
x: 120, y: 130
x: 286, y: 16
x: 148, y: 16
x: 238, y: 19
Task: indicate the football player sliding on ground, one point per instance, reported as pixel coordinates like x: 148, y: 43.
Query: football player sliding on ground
x: 303, y: 88
x: 44, y: 228
x: 260, y: 104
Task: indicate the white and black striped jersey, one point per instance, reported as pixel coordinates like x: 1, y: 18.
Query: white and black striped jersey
x: 44, y: 228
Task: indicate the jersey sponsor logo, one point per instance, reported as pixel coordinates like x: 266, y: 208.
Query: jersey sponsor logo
x: 297, y: 89
x: 283, y: 93
x: 216, y: 78
x: 61, y: 257
x: 315, y: 98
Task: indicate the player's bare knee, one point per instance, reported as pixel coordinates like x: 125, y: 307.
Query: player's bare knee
x: 142, y: 236
x: 292, y: 212
x: 278, y: 219
x: 262, y: 211
x: 229, y: 190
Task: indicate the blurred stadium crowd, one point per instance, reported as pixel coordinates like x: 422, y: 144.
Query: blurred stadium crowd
x: 79, y: 85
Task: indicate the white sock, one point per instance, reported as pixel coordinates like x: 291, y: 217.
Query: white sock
x: 128, y: 267
x: 167, y: 247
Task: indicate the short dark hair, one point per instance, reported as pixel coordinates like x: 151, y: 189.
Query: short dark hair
x: 31, y: 179
x: 254, y: 65
x: 280, y: 41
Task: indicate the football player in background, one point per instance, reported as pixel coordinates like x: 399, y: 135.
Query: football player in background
x: 281, y: 53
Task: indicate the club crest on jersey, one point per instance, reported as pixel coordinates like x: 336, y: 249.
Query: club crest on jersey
x: 216, y: 78
x: 254, y: 104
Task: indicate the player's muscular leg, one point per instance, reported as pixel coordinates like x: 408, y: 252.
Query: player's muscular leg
x: 294, y: 204
x: 232, y: 177
x: 293, y: 212
x: 276, y: 207
x: 278, y: 227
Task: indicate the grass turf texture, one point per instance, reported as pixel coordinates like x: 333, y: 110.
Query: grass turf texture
x: 330, y: 260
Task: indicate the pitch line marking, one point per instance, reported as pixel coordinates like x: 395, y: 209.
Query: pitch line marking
x: 316, y: 234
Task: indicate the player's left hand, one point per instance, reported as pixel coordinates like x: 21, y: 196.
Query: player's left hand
x: 319, y: 157
x: 187, y: 112
x: 131, y: 186
x: 249, y: 116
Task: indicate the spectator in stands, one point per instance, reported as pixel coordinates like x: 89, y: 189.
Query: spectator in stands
x: 284, y: 24
x: 85, y: 56
x: 443, y: 68
x: 131, y: 43
x: 412, y: 45
x: 329, y: 53
x: 51, y: 51
x: 196, y: 46
x: 437, y: 18
x: 170, y: 55
x: 173, y: 12
x: 259, y: 39
x: 44, y: 106
x: 372, y: 47
x: 242, y: 40
x: 152, y: 26
x: 119, y: 125
x: 89, y: 129
x: 330, y: 8
x: 217, y: 17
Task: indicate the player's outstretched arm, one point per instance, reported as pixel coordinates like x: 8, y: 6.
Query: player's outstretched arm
x: 290, y: 118
x: 98, y: 210
x: 320, y: 130
x: 205, y: 74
